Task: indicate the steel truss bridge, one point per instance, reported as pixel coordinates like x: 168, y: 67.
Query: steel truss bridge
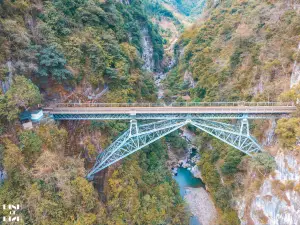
x: 207, y: 116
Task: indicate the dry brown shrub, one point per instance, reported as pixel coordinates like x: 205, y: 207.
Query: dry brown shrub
x: 279, y: 190
x: 297, y: 188
x: 263, y: 219
x: 289, y: 185
x: 45, y: 165
x: 244, y: 30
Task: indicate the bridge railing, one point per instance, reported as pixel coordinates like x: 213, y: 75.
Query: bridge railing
x: 175, y: 104
x: 229, y: 104
x: 60, y: 105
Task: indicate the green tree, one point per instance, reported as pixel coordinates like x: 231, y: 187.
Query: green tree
x: 13, y: 161
x: 263, y: 162
x: 232, y: 160
x: 230, y: 217
x: 222, y: 197
x: 22, y: 94
x: 288, y: 130
x: 3, y: 106
x: 176, y: 142
x: 52, y: 63
x: 53, y: 138
x: 30, y: 144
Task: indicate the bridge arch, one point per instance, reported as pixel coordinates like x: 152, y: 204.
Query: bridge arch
x: 139, y: 136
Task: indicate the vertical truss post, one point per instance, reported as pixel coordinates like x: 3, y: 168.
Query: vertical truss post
x: 133, y: 128
x: 244, y: 129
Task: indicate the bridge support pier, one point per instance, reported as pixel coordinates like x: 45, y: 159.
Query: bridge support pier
x: 139, y: 136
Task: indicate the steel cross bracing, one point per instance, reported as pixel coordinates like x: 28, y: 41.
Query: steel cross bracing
x: 139, y: 136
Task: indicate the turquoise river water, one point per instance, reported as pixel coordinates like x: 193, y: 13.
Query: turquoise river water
x: 186, y: 179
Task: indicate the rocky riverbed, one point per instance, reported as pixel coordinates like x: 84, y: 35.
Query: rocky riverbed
x: 201, y: 205
x: 188, y: 176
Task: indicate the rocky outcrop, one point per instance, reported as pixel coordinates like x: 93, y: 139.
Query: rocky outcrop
x: 159, y: 77
x: 278, y: 199
x: 189, y: 79
x: 279, y: 202
x: 270, y: 134
x: 5, y: 84
x: 196, y: 172
x: 295, y: 78
x: 147, y: 47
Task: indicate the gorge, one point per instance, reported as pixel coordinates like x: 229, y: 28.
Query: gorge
x: 162, y: 51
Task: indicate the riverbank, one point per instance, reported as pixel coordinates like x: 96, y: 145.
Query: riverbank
x: 192, y: 189
x: 201, y: 205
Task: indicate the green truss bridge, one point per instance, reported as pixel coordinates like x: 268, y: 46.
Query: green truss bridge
x: 164, y: 119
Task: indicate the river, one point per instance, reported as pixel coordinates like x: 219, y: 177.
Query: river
x: 186, y: 179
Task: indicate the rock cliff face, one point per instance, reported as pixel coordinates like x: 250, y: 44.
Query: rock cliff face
x: 147, y: 47
x: 295, y: 78
x: 4, y: 85
x: 189, y: 79
x: 278, y: 200
x: 270, y: 134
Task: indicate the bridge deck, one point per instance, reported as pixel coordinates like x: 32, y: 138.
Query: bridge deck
x: 178, y: 110
x: 171, y: 110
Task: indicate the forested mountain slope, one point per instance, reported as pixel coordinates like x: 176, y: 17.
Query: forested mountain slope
x: 79, y: 42
x: 65, y: 50
x: 242, y: 50
x: 190, y: 8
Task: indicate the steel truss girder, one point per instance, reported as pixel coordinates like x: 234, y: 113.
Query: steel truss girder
x: 237, y: 136
x: 154, y: 116
x: 132, y: 140
x: 139, y: 136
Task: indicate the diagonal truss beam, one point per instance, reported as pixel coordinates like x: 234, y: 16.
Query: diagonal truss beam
x: 132, y: 140
x: 237, y: 136
x: 139, y: 136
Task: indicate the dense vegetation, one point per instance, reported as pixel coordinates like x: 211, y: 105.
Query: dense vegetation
x: 48, y: 50
x: 244, y: 50
x: 86, y: 42
x: 52, y: 188
x: 22, y: 94
x: 144, y: 190
x: 191, y: 8
x: 223, y: 161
